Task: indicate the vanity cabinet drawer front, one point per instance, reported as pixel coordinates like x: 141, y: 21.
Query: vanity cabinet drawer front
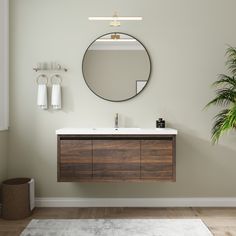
x: 66, y: 170
x: 157, y: 159
x: 76, y: 171
x: 76, y: 159
x: 116, y: 159
x: 74, y: 149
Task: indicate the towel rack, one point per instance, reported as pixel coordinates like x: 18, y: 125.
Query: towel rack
x: 42, y: 79
x: 52, y: 67
x: 56, y: 79
x: 39, y: 69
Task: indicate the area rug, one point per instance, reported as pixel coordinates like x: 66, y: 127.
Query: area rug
x: 117, y: 227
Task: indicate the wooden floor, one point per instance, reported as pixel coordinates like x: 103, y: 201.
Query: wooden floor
x: 220, y: 221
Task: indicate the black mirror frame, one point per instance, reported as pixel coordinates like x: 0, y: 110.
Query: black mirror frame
x: 149, y: 75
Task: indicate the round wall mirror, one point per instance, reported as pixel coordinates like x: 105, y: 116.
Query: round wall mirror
x: 116, y: 67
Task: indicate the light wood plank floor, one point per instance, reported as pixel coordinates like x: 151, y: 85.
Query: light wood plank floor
x: 220, y: 221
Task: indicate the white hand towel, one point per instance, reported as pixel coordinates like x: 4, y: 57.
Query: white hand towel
x: 42, y: 100
x: 56, y: 96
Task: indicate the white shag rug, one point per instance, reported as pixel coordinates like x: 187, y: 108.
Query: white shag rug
x: 117, y: 227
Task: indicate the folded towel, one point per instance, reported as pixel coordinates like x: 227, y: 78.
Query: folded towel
x: 56, y: 96
x: 42, y: 100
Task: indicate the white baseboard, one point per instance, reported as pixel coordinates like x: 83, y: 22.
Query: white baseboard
x: 135, y: 202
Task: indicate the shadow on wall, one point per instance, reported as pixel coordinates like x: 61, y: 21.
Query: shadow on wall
x: 203, y: 167
x: 199, y: 174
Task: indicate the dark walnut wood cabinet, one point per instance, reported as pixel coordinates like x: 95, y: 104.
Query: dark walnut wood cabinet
x: 114, y: 158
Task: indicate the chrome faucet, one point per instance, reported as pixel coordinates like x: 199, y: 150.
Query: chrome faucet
x: 117, y: 121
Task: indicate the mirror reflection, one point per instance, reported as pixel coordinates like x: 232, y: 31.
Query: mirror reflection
x: 116, y: 67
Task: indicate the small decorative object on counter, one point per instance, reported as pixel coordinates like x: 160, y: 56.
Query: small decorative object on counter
x: 160, y: 123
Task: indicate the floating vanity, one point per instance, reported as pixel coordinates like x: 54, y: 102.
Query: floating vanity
x: 113, y: 155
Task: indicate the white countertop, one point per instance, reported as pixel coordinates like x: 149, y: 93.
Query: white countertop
x: 97, y: 131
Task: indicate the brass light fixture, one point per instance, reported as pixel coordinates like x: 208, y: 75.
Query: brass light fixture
x: 115, y: 19
x: 115, y: 22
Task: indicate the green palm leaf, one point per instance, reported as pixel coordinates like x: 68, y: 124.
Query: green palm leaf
x: 231, y: 62
x: 223, y: 97
x: 217, y: 129
x: 225, y: 80
x: 225, y: 120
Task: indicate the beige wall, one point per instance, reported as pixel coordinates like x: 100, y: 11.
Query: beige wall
x: 186, y: 40
x: 3, y: 134
x: 3, y: 155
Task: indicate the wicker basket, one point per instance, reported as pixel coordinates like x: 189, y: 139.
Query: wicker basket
x: 15, y: 199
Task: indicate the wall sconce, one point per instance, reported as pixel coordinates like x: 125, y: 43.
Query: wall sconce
x: 115, y: 19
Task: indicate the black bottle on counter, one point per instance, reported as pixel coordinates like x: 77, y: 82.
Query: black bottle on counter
x: 160, y: 123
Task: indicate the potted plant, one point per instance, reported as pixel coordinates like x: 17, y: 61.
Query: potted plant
x: 225, y: 86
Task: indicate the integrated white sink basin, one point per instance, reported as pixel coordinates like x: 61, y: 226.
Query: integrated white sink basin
x: 71, y: 131
x: 116, y: 129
